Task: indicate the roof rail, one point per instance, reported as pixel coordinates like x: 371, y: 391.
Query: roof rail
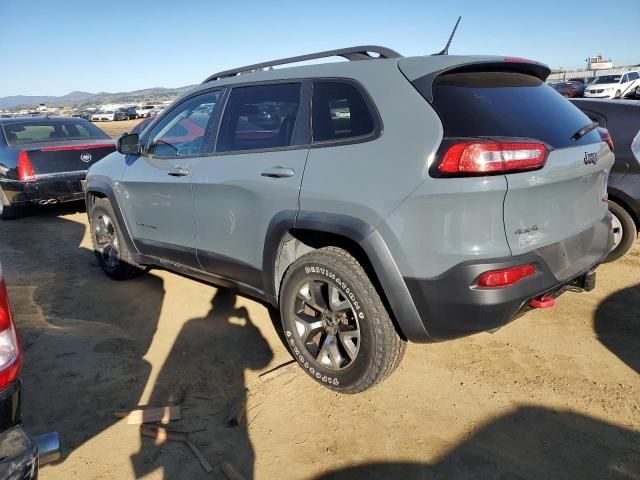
x: 350, y: 53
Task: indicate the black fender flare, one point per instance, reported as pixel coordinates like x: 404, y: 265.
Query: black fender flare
x: 106, y: 190
x: 369, y: 239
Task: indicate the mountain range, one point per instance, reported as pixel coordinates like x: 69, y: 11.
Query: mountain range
x: 85, y: 99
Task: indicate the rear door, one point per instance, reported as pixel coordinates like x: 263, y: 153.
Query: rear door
x: 566, y: 197
x: 157, y: 184
x: 255, y: 174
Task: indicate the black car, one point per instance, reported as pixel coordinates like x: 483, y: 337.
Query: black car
x: 44, y: 159
x: 132, y: 114
x: 83, y: 115
x: 622, y: 119
x: 121, y: 114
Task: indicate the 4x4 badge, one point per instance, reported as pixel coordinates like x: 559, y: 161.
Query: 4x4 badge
x: 590, y: 158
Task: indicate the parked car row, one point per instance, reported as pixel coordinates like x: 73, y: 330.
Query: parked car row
x: 373, y: 246
x: 625, y: 85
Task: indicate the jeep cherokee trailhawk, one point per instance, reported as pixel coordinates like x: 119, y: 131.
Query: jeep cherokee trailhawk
x: 373, y: 201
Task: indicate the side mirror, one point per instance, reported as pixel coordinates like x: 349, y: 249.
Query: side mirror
x: 129, y: 144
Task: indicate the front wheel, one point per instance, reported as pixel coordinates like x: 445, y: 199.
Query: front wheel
x: 618, y: 94
x: 108, y: 243
x: 335, y: 323
x: 624, y: 232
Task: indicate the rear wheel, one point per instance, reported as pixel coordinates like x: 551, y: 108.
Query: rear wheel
x: 108, y: 243
x: 9, y: 212
x: 624, y: 232
x: 335, y: 323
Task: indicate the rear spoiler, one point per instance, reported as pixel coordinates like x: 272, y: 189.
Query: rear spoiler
x: 509, y: 64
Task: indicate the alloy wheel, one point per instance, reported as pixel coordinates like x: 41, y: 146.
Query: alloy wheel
x: 327, y: 324
x: 106, y: 238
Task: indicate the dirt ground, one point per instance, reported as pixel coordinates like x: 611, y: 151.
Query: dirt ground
x: 553, y: 395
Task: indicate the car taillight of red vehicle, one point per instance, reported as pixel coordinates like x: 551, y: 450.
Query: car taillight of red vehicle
x: 10, y: 350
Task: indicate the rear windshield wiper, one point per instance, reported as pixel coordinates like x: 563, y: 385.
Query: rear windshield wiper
x: 584, y: 130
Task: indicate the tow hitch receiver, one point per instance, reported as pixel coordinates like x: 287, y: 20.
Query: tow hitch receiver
x: 543, y: 302
x: 586, y: 282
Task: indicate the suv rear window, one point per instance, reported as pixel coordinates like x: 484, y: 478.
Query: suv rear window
x: 339, y: 112
x: 507, y: 104
x: 21, y: 133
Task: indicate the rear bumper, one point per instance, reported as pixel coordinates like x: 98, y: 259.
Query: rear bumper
x: 450, y: 306
x: 62, y: 187
x: 18, y: 451
x: 20, y: 454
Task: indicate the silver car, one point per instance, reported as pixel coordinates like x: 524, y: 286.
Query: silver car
x: 375, y: 201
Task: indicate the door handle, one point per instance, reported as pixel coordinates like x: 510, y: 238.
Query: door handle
x: 278, y: 172
x: 179, y: 172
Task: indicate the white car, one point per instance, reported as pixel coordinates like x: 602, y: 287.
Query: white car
x: 144, y: 111
x: 106, y: 116
x: 613, y: 86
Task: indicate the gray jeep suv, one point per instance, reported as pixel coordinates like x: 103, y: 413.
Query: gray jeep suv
x: 373, y: 201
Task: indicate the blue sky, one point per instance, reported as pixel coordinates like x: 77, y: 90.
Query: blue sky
x: 54, y: 47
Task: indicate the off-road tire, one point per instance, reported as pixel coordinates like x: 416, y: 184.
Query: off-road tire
x: 125, y: 268
x: 629, y: 232
x: 380, y: 347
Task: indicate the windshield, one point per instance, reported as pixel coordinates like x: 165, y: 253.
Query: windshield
x: 21, y: 133
x: 607, y: 79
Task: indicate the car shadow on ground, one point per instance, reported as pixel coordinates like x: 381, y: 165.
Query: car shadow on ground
x: 530, y: 443
x: 617, y: 325
x: 206, y: 367
x: 85, y: 340
x: 84, y: 335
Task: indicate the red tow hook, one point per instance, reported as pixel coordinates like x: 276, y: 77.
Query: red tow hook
x: 543, y: 302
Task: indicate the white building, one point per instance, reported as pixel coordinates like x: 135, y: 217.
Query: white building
x: 598, y: 62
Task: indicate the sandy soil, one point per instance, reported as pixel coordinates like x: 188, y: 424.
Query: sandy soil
x: 555, y: 394
x: 115, y: 129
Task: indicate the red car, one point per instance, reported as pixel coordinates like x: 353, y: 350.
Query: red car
x: 570, y: 89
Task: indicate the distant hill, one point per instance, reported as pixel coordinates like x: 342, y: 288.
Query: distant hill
x: 157, y: 94
x: 85, y: 99
x: 34, y: 100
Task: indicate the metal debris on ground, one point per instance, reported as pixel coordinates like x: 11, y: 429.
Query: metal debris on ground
x: 230, y: 472
x: 236, y: 410
x: 289, y: 366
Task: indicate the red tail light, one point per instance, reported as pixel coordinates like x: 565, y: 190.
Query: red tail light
x: 10, y: 352
x: 25, y: 169
x: 506, y: 277
x: 606, y: 137
x: 481, y: 157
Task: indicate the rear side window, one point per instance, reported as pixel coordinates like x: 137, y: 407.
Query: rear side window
x: 261, y: 116
x: 506, y: 104
x: 21, y: 133
x: 339, y: 112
